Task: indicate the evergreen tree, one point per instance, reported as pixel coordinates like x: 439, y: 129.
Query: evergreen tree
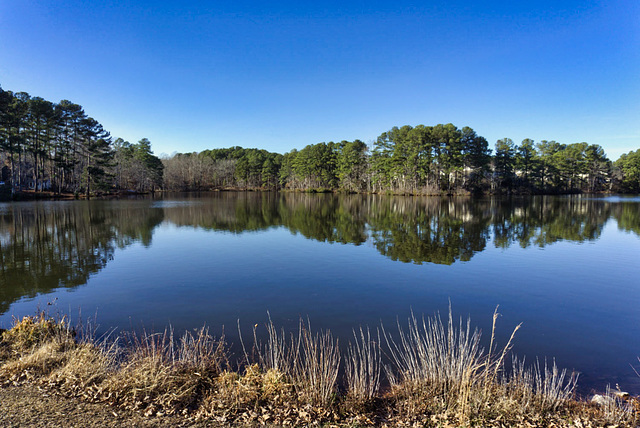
x: 477, y: 157
x: 503, y: 163
x: 525, y: 161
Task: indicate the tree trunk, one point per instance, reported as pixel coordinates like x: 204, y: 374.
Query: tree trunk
x: 88, y: 176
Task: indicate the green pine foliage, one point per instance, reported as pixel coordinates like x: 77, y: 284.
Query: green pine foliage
x: 629, y: 171
x: 56, y: 147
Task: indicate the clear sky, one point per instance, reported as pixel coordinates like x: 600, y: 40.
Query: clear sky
x: 192, y: 75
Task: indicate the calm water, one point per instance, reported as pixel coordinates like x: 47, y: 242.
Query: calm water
x: 568, y: 268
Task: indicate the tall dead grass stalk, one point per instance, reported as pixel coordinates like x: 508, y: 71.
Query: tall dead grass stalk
x: 539, y: 388
x: 277, y: 353
x: 363, y: 366
x: 442, y: 366
x: 441, y: 361
x: 315, y: 370
x: 616, y: 411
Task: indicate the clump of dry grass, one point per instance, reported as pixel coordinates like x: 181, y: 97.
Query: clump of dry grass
x: 84, y: 369
x: 539, y: 388
x: 363, y: 368
x: 287, y: 380
x: 309, y: 361
x: 439, y: 368
x: 36, y: 364
x: 31, y: 331
x: 615, y: 411
x: 253, y: 396
x: 163, y: 376
x: 278, y: 353
x: 34, y: 346
x: 315, y: 370
x: 432, y: 366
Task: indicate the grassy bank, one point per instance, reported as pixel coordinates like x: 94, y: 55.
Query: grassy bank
x: 427, y: 372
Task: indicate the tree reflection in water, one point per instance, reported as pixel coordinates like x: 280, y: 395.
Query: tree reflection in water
x: 44, y: 246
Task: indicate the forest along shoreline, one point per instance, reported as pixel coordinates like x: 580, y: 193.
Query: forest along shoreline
x: 58, y: 148
x: 435, y: 372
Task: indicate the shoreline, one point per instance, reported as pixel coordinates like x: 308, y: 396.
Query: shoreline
x: 29, y: 195
x: 438, y: 375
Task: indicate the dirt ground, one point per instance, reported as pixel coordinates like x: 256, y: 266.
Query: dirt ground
x: 28, y: 406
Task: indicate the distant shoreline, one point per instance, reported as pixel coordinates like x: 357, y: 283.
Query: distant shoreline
x: 30, y: 195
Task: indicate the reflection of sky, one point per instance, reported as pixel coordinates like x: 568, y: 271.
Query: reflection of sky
x: 578, y: 302
x: 618, y: 198
x: 174, y: 203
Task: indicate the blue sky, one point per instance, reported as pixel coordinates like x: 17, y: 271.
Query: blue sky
x: 280, y: 75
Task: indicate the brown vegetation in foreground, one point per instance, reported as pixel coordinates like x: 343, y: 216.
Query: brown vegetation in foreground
x: 437, y: 372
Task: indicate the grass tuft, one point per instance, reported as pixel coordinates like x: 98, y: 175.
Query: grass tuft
x: 31, y: 331
x: 315, y: 371
x: 434, y: 366
x: 363, y: 368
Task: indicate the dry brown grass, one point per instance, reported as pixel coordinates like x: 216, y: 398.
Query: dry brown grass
x: 253, y: 396
x: 165, y: 376
x: 539, y: 388
x: 439, y: 368
x: 277, y: 353
x: 434, y: 367
x: 309, y: 361
x: 363, y: 368
x: 83, y: 373
x: 616, y: 411
x: 35, y: 346
x: 437, y: 374
x: 315, y: 370
x: 31, y: 331
x: 35, y: 364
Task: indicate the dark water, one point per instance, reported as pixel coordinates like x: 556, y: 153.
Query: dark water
x: 568, y: 268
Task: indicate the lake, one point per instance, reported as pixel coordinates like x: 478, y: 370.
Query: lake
x: 567, y: 268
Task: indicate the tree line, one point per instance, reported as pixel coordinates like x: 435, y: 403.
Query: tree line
x: 440, y: 159
x: 57, y: 147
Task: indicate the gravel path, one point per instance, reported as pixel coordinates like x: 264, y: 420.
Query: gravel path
x: 28, y: 406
